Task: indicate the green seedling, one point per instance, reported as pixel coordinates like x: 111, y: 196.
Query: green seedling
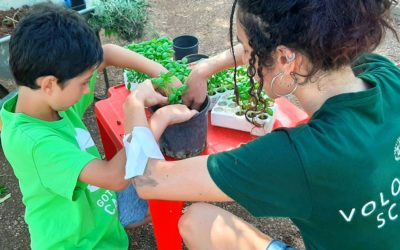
x: 164, y: 83
x: 176, y: 95
x: 160, y: 50
x: 225, y: 80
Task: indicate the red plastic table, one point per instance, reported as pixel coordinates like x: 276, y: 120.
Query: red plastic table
x: 166, y: 214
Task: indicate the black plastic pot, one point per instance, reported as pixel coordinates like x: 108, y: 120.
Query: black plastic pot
x: 185, y: 45
x: 195, y: 57
x: 187, y: 139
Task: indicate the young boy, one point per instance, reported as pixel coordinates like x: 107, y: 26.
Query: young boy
x: 65, y: 185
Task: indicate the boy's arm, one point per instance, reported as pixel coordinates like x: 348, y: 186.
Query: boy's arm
x: 174, y: 180
x: 110, y: 174
x: 118, y: 56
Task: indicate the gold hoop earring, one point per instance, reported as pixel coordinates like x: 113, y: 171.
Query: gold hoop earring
x: 281, y: 75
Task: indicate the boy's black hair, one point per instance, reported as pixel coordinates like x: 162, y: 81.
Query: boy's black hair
x: 52, y: 40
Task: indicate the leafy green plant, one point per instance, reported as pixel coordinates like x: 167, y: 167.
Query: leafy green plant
x: 215, y: 81
x: 164, y: 82
x: 224, y: 79
x: 123, y: 18
x: 160, y: 50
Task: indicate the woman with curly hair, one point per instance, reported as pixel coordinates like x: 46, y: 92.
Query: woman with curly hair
x: 336, y: 177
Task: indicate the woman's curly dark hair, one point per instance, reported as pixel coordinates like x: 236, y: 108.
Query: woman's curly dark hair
x: 331, y: 34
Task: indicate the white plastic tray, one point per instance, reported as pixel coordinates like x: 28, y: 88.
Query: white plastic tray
x: 224, y: 115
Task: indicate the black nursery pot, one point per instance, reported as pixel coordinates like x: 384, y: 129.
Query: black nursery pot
x: 195, y: 57
x: 189, y: 138
x: 185, y: 45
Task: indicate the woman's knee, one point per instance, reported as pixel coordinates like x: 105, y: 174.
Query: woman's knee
x: 190, y: 220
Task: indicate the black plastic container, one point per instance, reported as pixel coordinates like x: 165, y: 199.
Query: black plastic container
x: 185, y: 45
x: 187, y: 139
x: 195, y: 57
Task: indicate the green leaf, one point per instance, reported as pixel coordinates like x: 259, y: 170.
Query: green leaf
x: 184, y: 60
x: 183, y: 88
x: 157, y: 82
x: 165, y: 55
x: 172, y: 98
x: 270, y: 111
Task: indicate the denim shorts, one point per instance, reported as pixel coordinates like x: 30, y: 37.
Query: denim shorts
x: 278, y: 245
x: 131, y: 208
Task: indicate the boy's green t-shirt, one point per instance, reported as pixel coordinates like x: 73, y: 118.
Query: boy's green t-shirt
x: 337, y: 177
x: 47, y: 158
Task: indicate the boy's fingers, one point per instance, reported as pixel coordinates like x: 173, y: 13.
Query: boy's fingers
x: 193, y: 112
x: 162, y: 100
x: 148, y: 82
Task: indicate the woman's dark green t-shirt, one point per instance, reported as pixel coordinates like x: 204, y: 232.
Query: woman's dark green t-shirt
x: 337, y: 177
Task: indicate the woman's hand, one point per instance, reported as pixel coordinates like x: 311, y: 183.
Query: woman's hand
x: 197, y: 91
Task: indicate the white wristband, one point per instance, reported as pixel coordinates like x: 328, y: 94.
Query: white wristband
x: 141, y: 147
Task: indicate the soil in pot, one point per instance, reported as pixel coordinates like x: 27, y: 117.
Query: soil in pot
x: 187, y: 139
x: 263, y: 117
x: 239, y: 113
x: 221, y: 90
x: 251, y: 114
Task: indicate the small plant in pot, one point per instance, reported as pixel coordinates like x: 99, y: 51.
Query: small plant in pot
x: 180, y: 140
x: 163, y: 83
x: 185, y: 139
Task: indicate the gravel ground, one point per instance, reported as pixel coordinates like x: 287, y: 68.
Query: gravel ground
x: 208, y: 20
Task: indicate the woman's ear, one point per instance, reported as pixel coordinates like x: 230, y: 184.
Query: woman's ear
x: 286, y: 59
x: 47, y: 84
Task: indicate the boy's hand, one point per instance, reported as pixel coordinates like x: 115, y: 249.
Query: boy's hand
x: 146, y: 94
x: 175, y: 113
x: 169, y: 115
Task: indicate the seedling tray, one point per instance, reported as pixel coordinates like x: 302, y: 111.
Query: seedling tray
x: 225, y: 114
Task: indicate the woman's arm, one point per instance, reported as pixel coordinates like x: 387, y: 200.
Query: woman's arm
x: 197, y: 80
x: 186, y: 180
